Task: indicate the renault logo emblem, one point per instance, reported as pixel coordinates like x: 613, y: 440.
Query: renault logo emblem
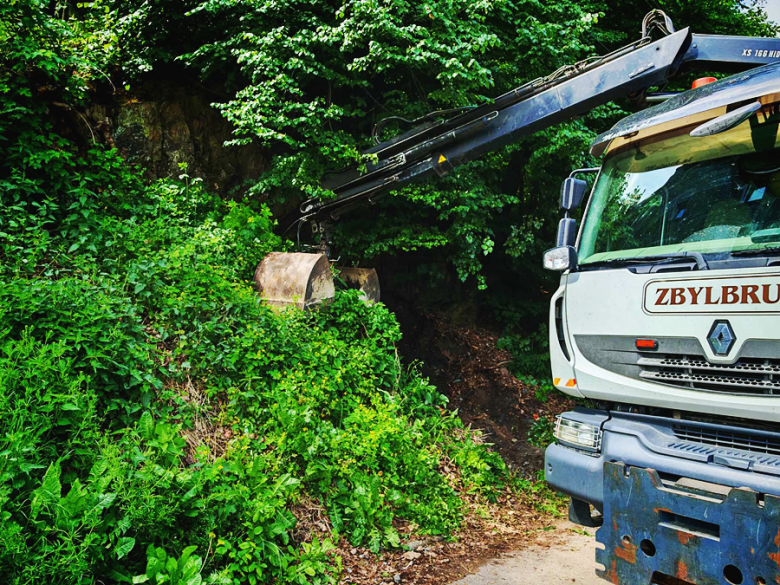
x: 721, y: 338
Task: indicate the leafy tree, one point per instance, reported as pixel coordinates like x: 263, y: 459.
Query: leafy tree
x: 312, y: 78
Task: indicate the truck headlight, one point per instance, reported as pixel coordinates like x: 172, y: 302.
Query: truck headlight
x: 560, y: 259
x: 578, y: 435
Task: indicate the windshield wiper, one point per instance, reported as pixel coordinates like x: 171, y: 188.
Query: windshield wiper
x: 770, y: 251
x: 669, y: 258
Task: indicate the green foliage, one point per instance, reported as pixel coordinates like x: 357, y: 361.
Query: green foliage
x: 315, y: 76
x: 543, y: 498
x: 312, y: 66
x: 161, y: 568
x: 312, y: 78
x: 531, y: 355
x: 541, y: 432
x: 531, y: 359
x: 308, y: 80
x: 151, y: 403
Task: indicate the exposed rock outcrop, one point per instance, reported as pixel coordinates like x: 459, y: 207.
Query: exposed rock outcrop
x: 161, y: 124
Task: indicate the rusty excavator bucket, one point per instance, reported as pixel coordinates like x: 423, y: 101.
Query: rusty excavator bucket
x: 363, y: 279
x: 300, y: 280
x: 305, y: 280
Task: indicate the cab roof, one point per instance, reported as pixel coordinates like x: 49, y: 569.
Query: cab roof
x: 731, y: 90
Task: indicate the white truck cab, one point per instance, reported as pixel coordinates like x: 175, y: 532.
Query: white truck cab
x: 667, y: 323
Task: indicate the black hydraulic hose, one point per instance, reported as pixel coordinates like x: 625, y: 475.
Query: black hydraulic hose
x: 377, y: 130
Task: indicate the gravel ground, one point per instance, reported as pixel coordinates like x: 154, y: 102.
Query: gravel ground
x: 567, y: 557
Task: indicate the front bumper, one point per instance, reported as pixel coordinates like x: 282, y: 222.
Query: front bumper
x: 653, y: 442
x: 677, y: 510
x: 654, y: 532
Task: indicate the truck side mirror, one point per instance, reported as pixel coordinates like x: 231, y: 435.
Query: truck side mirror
x: 567, y: 232
x: 572, y: 192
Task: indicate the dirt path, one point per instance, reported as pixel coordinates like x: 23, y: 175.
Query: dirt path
x: 568, y: 557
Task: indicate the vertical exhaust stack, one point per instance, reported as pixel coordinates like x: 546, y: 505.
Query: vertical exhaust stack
x: 297, y: 279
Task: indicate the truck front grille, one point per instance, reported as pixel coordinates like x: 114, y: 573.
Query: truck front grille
x: 728, y: 438
x: 681, y: 362
x: 746, y: 376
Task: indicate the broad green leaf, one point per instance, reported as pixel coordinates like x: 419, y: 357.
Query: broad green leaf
x: 172, y: 568
x: 146, y: 426
x: 154, y: 566
x: 105, y: 500
x: 123, y: 546
x: 49, y: 491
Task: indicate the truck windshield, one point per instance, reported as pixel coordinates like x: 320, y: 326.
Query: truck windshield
x: 715, y: 194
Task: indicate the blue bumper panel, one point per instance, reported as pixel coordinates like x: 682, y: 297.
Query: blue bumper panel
x: 575, y: 474
x: 652, y: 442
x: 653, y: 531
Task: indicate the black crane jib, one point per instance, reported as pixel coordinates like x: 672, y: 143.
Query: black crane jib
x: 438, y: 146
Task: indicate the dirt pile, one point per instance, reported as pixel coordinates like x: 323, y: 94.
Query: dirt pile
x: 463, y: 361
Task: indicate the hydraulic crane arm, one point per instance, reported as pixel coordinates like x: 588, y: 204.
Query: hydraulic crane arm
x: 442, y: 141
x: 437, y: 146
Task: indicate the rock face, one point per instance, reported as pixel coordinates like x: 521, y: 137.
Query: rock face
x: 163, y: 124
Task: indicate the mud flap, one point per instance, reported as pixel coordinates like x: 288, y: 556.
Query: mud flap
x: 685, y: 532
x: 579, y: 513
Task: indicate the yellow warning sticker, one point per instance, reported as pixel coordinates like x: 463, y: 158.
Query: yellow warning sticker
x: 442, y: 158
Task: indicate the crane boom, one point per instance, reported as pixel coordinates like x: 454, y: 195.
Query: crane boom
x: 438, y: 146
x: 441, y: 141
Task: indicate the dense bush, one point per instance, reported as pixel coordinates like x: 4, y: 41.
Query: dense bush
x: 158, y: 422
x: 150, y: 399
